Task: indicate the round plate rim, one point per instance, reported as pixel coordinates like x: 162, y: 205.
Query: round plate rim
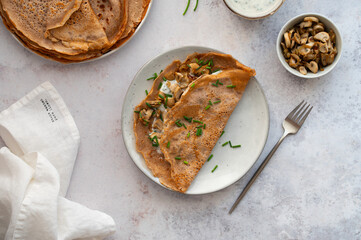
x: 148, y: 173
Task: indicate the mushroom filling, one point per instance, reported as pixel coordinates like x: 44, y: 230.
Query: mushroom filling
x: 169, y: 93
x: 308, y: 46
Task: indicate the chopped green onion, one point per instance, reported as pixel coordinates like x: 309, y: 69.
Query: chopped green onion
x: 156, y: 143
x: 222, y: 133
x: 224, y: 144
x: 237, y: 146
x: 155, y: 75
x: 185, y: 162
x: 177, y: 158
x: 146, y: 92
x: 199, y: 132
x: 214, y: 84
x: 187, y: 119
x: 160, y: 85
x: 140, y: 114
x: 208, y: 106
x: 168, y: 95
x: 137, y: 111
x: 148, y: 105
x: 211, y: 63
x: 201, y: 62
x: 196, y: 59
x: 200, y: 126
x: 197, y: 121
x: 161, y: 96
x: 220, y: 83
x: 164, y: 79
x: 166, y: 102
x: 217, y: 102
x: 230, y: 143
x: 199, y: 67
x: 161, y: 71
x: 210, y: 102
x: 188, y: 135
x: 210, y: 157
x: 209, y: 68
x: 214, y: 169
x: 168, y: 144
x: 184, y: 126
x: 186, y: 7
x: 192, y: 85
x: 204, y: 126
x: 189, y: 65
x: 217, y: 82
x: 161, y: 117
x: 231, y: 86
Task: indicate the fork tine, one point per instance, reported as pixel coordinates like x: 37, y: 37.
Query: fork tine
x: 304, y: 117
x: 302, y: 113
x: 298, y: 113
x: 294, y: 110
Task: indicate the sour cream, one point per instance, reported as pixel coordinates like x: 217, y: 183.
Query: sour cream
x: 165, y: 89
x: 254, y: 8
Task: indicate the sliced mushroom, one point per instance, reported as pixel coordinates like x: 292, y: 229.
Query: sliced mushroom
x: 297, y: 58
x: 158, y: 124
x: 330, y: 58
x: 318, y: 28
x: 309, y: 57
x: 175, y: 89
x: 322, y: 36
x: 312, y: 66
x: 304, y: 50
x: 311, y: 19
x: 154, y: 103
x: 306, y: 24
x: 292, y: 43
x: 297, y: 38
x: 323, y: 47
x: 292, y: 63
x: 283, y: 46
x: 146, y: 114
x: 332, y: 36
x: 323, y: 59
x: 302, y: 70
x: 182, y: 79
x: 309, y: 45
x: 170, y: 101
x: 194, y: 67
x: 287, y: 39
x: 304, y: 40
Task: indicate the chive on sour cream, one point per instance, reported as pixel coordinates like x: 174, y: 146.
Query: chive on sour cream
x: 254, y: 9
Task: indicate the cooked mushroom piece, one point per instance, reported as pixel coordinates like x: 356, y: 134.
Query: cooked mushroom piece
x: 297, y: 38
x: 302, y: 70
x: 311, y: 19
x: 154, y: 103
x: 332, y: 36
x: 306, y: 24
x: 194, y: 67
x: 146, y: 113
x: 292, y: 63
x: 170, y: 101
x: 312, y: 66
x: 158, y: 124
x: 297, y: 58
x: 323, y: 59
x: 304, y: 50
x: 318, y: 28
x: 323, y: 47
x: 309, y: 57
x: 322, y: 36
x: 287, y: 39
x: 181, y: 79
x: 330, y: 58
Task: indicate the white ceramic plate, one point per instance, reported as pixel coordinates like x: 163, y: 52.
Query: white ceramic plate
x: 247, y: 126
x: 105, y: 54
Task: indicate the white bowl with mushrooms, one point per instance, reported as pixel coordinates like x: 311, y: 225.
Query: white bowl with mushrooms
x: 309, y: 45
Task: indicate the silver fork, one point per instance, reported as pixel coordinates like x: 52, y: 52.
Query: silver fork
x: 291, y: 125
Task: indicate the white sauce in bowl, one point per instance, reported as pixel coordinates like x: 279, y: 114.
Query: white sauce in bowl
x: 254, y: 8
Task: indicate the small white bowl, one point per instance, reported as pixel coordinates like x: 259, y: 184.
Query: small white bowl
x: 252, y: 15
x: 329, y: 25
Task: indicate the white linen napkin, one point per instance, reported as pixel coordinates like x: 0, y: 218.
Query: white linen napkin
x: 35, y: 170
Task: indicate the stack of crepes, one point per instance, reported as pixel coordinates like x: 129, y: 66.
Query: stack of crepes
x: 181, y: 119
x: 72, y: 30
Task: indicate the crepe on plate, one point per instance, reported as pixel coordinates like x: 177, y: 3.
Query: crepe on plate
x: 179, y: 122
x: 72, y: 30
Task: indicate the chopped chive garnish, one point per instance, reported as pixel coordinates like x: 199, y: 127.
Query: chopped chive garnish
x: 204, y: 126
x: 187, y: 119
x: 199, y: 67
x: 199, y: 132
x: 186, y: 7
x: 214, y: 84
x: 214, y: 169
x: 177, y: 158
x: 210, y: 157
x: 189, y: 65
x: 224, y: 144
x: 168, y: 144
x: 153, y: 113
x: 168, y: 95
x: 208, y: 106
x: 140, y: 114
x: 148, y: 105
x: 209, y: 68
x: 137, y: 111
x: 160, y: 85
x: 217, y: 102
x: 201, y: 62
x: 161, y: 96
x: 195, y: 8
x: 161, y: 71
x: 237, y: 146
x: 161, y: 117
x: 230, y: 143
x: 178, y: 124
x: 146, y: 92
x: 192, y: 85
x: 154, y: 143
x: 210, y: 102
x: 155, y: 75
x: 200, y: 126
x: 217, y: 70
x: 188, y: 135
x: 196, y: 59
x: 197, y: 121
x: 231, y: 86
x: 222, y: 133
x: 164, y: 79
x: 166, y: 102
x: 211, y: 63
x: 220, y: 83
x: 185, y: 162
x: 184, y: 126
x: 217, y: 82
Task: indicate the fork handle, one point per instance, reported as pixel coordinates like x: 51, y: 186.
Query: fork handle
x: 258, y: 172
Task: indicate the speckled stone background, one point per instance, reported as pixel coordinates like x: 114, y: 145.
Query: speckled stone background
x: 311, y: 189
